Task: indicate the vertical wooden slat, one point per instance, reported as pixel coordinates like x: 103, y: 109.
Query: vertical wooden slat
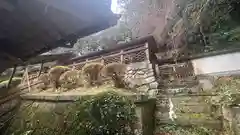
x: 24, y: 77
x: 102, y: 60
x: 122, y: 59
x: 11, y: 77
x: 28, y: 81
x: 41, y: 68
x: 147, y: 51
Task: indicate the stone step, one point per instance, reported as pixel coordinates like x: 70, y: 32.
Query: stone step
x: 188, y: 99
x: 176, y: 84
x: 192, y: 108
x: 186, y: 108
x: 190, y: 119
x: 184, y: 90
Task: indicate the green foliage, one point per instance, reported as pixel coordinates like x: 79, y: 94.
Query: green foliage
x: 177, y: 130
x: 103, y: 114
x: 103, y: 40
x: 228, y: 91
x: 212, y: 24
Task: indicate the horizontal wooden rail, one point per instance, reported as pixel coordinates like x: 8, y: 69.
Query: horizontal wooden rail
x: 113, y: 55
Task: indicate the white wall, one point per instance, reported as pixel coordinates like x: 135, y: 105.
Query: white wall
x: 227, y: 63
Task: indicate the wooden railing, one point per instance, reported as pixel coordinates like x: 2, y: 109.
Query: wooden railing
x: 126, y: 56
x: 122, y: 56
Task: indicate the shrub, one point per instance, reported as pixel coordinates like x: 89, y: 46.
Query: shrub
x: 55, y: 73
x: 91, y: 73
x: 104, y: 114
x: 169, y: 129
x: 116, y: 71
x: 70, y: 79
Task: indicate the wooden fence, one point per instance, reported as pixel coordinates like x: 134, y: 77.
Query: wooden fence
x: 136, y: 51
x: 141, y: 53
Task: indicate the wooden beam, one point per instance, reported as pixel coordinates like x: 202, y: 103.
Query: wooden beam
x: 113, y: 55
x: 41, y: 68
x: 11, y: 77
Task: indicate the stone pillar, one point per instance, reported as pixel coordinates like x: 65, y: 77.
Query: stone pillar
x: 145, y: 112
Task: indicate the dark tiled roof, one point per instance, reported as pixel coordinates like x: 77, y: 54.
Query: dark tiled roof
x: 29, y: 28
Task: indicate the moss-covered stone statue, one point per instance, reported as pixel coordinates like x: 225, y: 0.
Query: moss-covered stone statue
x: 91, y: 74
x: 54, y: 75
x: 116, y: 72
x: 70, y: 79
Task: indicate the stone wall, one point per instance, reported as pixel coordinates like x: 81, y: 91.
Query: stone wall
x: 141, y: 77
x: 236, y: 119
x: 52, y: 114
x: 182, y: 97
x: 225, y: 63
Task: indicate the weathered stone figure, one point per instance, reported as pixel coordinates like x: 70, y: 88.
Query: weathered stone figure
x: 44, y: 78
x: 70, y: 79
x: 91, y: 73
x: 54, y: 75
x: 116, y: 71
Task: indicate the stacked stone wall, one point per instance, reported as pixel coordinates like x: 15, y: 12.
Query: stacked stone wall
x: 141, y: 76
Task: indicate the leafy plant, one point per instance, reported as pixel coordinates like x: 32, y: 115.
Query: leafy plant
x: 178, y: 130
x: 105, y: 114
x: 228, y: 90
x: 212, y: 24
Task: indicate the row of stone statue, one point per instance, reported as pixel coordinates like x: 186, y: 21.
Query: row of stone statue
x: 92, y: 74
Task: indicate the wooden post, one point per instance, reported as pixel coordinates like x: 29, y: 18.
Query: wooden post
x: 24, y: 77
x: 74, y: 65
x: 147, y: 52
x: 29, y: 89
x: 11, y: 77
x: 122, y: 59
x: 41, y: 68
x: 102, y: 60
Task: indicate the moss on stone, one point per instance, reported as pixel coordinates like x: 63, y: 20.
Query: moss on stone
x: 116, y: 72
x: 71, y: 79
x: 15, y: 81
x: 55, y: 73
